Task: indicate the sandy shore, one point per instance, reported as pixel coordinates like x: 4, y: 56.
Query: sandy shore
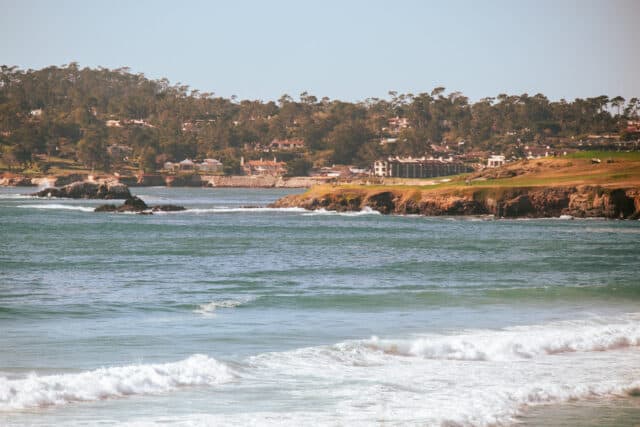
x: 593, y: 413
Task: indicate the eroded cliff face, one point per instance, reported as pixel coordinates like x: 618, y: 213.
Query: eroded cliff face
x: 581, y: 202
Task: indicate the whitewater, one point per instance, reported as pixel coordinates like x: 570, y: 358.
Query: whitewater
x: 232, y: 313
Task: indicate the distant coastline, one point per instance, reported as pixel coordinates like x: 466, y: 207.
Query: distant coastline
x: 580, y: 187
x: 169, y: 180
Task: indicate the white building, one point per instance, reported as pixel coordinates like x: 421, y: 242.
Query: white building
x: 186, y: 164
x: 113, y: 123
x: 210, y: 165
x: 381, y: 168
x: 495, y: 161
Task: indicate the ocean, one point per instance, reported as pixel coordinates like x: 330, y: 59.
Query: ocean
x: 231, y: 313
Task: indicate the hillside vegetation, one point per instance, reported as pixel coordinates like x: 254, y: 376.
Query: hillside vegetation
x: 68, y: 117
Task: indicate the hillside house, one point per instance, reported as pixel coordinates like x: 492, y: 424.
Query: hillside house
x: 633, y: 126
x: 396, y: 124
x: 210, y: 166
x: 408, y: 167
x: 286, y: 144
x: 263, y: 167
x: 495, y: 161
x: 186, y: 165
x: 113, y: 123
x: 533, y: 152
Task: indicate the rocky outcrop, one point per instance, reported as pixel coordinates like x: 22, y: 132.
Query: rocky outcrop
x: 62, y: 180
x: 137, y: 205
x: 191, y: 180
x: 9, y: 180
x: 510, y: 203
x: 146, y: 180
x: 168, y: 208
x: 88, y: 190
x: 596, y: 202
x: 132, y: 204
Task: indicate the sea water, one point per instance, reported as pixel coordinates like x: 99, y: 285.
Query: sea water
x: 231, y: 313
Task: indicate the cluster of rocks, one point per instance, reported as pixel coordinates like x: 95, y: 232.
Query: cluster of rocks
x: 137, y: 205
x: 580, y: 202
x: 88, y: 190
x: 108, y: 191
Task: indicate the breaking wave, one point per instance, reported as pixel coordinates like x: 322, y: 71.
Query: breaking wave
x: 17, y: 196
x: 365, y: 211
x: 517, y: 342
x: 477, y: 378
x: 222, y: 210
x: 57, y: 206
x: 106, y: 383
x: 210, y: 308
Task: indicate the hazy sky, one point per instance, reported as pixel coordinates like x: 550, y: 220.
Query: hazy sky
x: 349, y: 50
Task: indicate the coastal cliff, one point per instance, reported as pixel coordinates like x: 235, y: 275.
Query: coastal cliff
x: 577, y: 201
x: 581, y: 186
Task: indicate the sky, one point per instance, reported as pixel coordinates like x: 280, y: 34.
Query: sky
x: 348, y: 50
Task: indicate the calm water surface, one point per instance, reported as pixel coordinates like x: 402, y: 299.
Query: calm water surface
x: 234, y: 314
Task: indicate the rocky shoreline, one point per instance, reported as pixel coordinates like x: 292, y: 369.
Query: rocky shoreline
x: 169, y: 180
x: 522, y: 202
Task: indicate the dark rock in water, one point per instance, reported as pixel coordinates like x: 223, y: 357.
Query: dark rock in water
x: 132, y: 204
x: 48, y: 192
x: 113, y: 191
x: 106, y: 208
x: 168, y: 208
x: 137, y: 205
x: 77, y: 190
x: 81, y: 190
x: 88, y: 190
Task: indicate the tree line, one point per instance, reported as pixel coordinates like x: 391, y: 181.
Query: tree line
x: 64, y: 111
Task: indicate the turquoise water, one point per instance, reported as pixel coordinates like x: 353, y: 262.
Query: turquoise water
x: 234, y: 314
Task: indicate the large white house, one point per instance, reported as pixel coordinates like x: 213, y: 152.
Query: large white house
x: 418, y: 167
x: 495, y: 161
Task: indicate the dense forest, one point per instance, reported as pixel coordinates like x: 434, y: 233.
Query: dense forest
x: 78, y: 113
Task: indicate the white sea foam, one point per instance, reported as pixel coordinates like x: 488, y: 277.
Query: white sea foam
x: 106, y: 383
x: 16, y: 196
x: 210, y: 308
x: 222, y: 210
x: 477, y: 378
x: 58, y: 206
x: 517, y: 343
x: 399, y: 381
x: 322, y: 211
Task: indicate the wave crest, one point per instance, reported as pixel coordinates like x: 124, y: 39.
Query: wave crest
x: 58, y: 206
x: 106, y: 383
x: 209, y: 308
x: 515, y: 343
x: 322, y: 211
